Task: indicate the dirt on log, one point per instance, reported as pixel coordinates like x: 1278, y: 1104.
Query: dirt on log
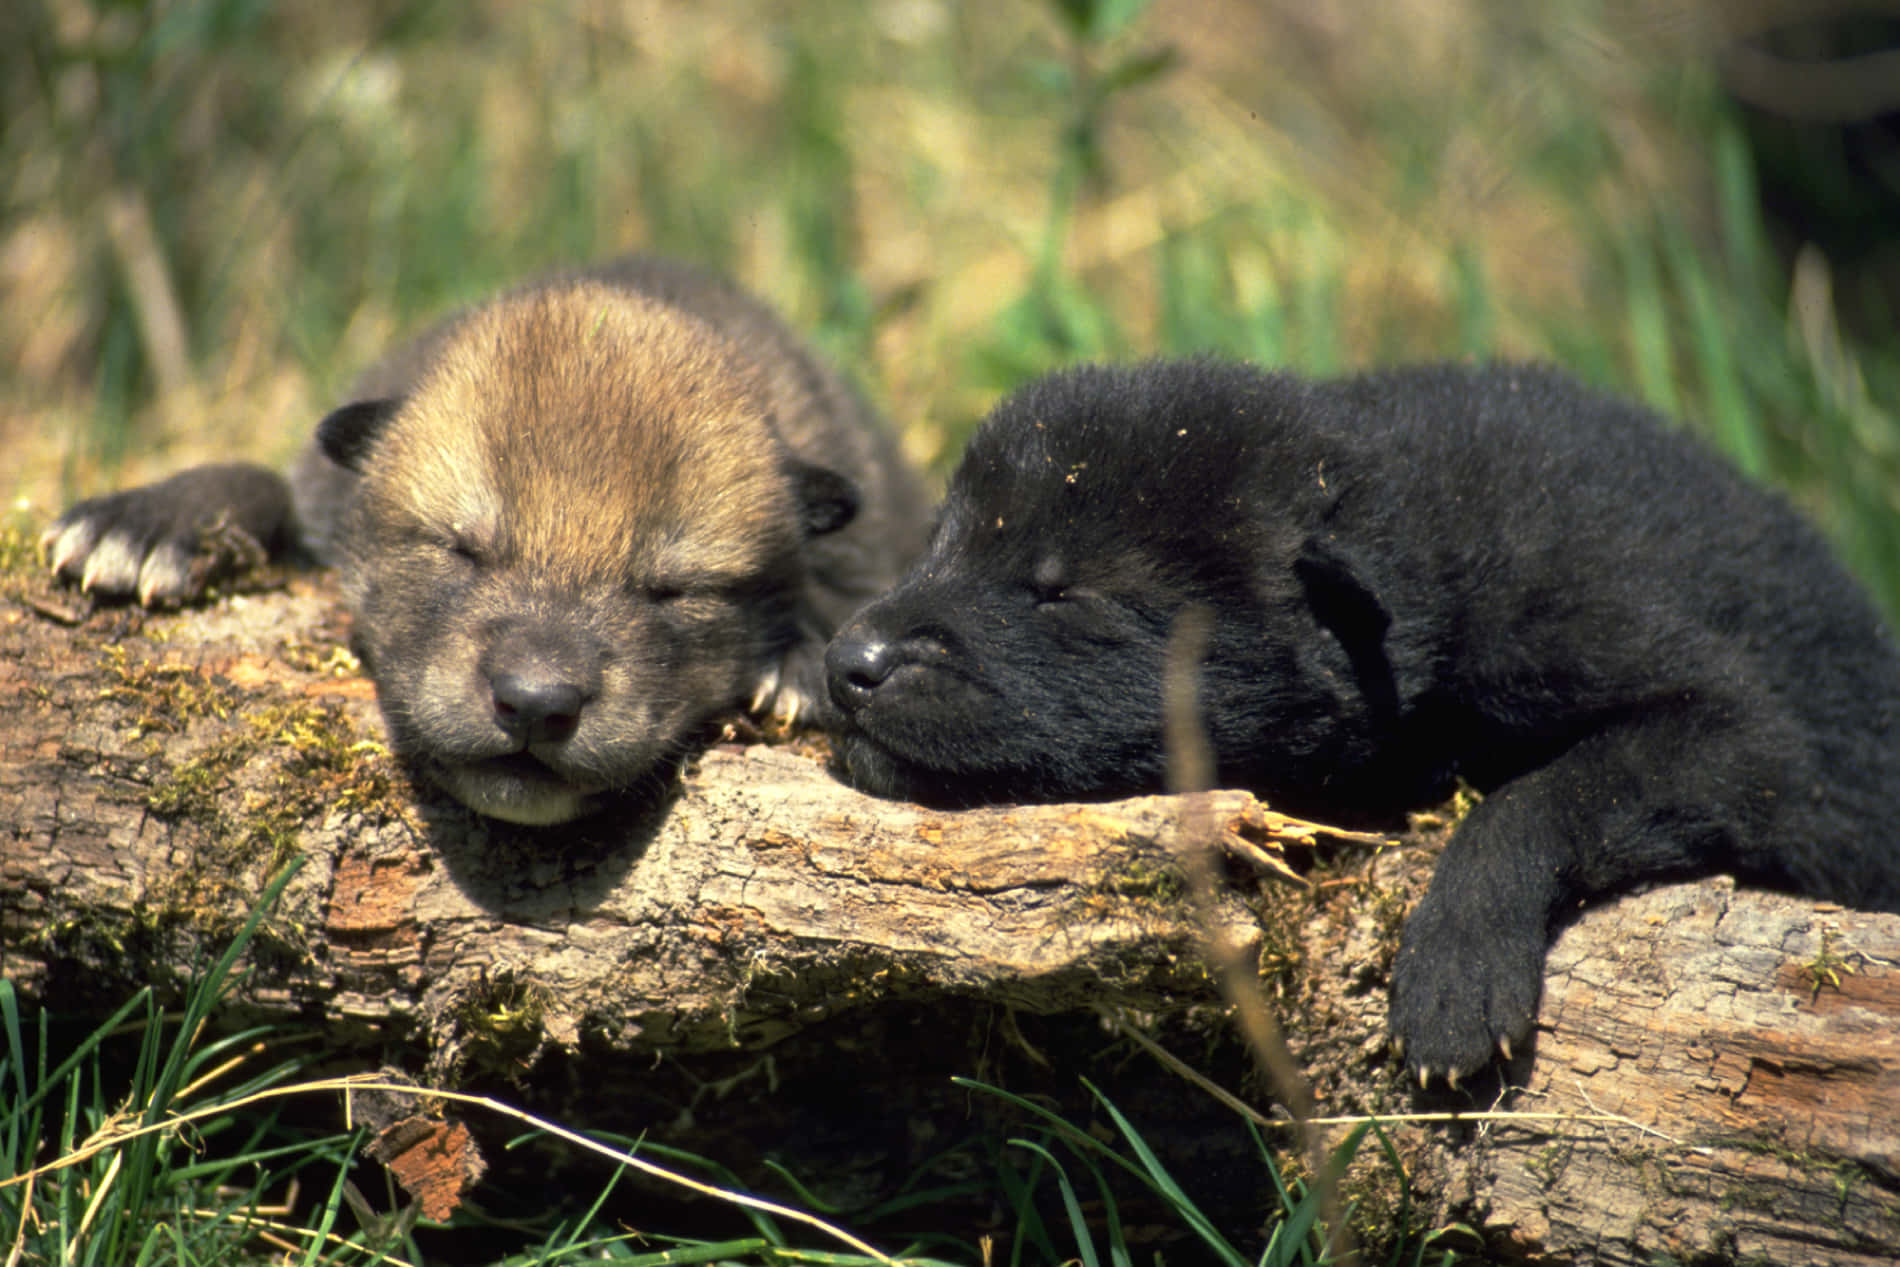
x: 1716, y: 1075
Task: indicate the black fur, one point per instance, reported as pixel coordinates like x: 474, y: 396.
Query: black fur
x: 346, y: 433
x: 1650, y: 667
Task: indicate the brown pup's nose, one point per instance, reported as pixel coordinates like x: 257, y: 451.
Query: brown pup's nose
x: 536, y: 708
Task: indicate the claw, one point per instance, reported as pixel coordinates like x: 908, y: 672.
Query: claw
x: 66, y: 544
x: 767, y: 689
x: 1424, y: 1078
x: 773, y: 700
x: 166, y: 574
x: 1398, y: 1047
x: 789, y: 707
x: 1451, y: 1079
x: 1504, y: 1048
x: 112, y: 567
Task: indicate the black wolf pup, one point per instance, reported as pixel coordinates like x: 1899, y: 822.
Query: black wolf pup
x: 1649, y: 666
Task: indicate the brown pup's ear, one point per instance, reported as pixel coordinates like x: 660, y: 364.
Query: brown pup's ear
x: 827, y: 501
x: 346, y: 434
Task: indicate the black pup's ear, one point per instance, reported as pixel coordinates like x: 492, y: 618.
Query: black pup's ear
x: 827, y: 501
x: 347, y: 433
x: 1340, y: 593
x: 1344, y: 600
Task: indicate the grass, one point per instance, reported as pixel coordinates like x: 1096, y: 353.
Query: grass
x: 152, y: 1139
x: 216, y: 211
x: 221, y: 209
x: 1298, y: 1235
x: 163, y: 1194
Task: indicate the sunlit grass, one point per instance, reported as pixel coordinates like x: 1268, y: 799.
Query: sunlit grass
x: 221, y: 209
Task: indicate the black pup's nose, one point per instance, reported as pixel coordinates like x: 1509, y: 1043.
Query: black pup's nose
x: 856, y: 664
x: 536, y: 707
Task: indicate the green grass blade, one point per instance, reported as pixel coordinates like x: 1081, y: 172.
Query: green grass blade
x: 764, y: 1224
x: 1078, y: 1225
x: 1751, y: 261
x: 804, y: 1195
x: 156, y: 1086
x: 1054, y: 1122
x: 1304, y: 1216
x: 88, y: 1047
x: 1736, y: 429
x: 1646, y: 323
x: 1111, y: 1216
x: 16, y: 1046
x: 210, y: 990
x: 1472, y: 303
x: 332, y: 1206
x: 1019, y: 1194
x: 1164, y: 1183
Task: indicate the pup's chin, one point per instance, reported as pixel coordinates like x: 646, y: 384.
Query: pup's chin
x: 865, y: 766
x: 870, y: 767
x: 516, y: 789
x: 1073, y: 775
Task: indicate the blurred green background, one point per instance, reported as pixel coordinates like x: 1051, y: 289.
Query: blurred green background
x: 216, y: 211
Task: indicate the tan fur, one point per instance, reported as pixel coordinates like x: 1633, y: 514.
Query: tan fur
x: 594, y: 486
x: 574, y: 526
x: 585, y: 428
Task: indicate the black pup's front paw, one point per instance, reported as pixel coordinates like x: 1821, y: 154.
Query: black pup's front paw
x: 1464, y: 986
x: 167, y: 542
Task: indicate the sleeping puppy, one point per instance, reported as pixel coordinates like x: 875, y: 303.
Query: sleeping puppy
x: 1649, y: 666
x: 574, y: 525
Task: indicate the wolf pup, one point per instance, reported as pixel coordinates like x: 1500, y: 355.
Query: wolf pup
x: 1650, y: 667
x: 573, y: 525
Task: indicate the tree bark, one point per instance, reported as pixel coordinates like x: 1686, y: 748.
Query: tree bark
x: 1718, y: 1071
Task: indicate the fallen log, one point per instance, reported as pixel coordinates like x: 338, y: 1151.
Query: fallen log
x: 1716, y: 1074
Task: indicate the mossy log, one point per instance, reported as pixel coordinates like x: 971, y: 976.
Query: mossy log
x: 1716, y: 1074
